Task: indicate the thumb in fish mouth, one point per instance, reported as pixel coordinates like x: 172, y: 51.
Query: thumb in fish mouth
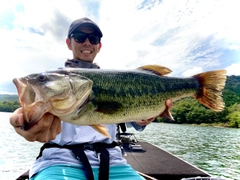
x: 33, y: 113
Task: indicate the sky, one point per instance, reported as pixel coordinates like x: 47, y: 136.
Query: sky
x: 187, y: 36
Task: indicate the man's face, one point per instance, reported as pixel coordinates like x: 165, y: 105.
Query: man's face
x: 84, y: 51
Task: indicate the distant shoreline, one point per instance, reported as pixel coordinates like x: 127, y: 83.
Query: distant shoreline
x: 217, y: 125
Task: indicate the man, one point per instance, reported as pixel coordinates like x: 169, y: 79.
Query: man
x: 77, y: 152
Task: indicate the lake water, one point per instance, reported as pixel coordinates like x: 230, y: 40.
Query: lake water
x: 214, y: 150
x: 16, y: 154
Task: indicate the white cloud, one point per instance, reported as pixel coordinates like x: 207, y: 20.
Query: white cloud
x: 192, y: 71
x: 233, y: 69
x: 182, y: 28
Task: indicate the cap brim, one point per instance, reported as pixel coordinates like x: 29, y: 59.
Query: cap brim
x: 94, y: 27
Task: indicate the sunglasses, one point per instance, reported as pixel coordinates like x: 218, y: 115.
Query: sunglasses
x: 81, y: 37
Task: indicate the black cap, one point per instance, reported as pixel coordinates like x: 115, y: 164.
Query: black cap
x: 83, y: 22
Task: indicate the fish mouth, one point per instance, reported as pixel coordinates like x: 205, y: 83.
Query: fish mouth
x: 32, y: 105
x: 21, y: 86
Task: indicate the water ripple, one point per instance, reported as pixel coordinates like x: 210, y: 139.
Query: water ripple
x: 214, y: 150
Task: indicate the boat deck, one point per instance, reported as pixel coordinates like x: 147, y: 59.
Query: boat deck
x: 160, y: 164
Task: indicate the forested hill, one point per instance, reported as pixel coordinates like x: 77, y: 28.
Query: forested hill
x: 8, y: 97
x: 231, y: 92
x: 187, y: 110
x: 8, y: 103
x: 233, y: 84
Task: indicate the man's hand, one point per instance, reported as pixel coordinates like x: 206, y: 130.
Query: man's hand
x: 46, y: 129
x: 144, y: 122
x: 165, y: 114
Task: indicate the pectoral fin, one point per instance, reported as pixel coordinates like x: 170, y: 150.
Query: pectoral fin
x: 101, y: 129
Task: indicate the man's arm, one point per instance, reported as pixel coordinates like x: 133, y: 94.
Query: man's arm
x: 140, y: 125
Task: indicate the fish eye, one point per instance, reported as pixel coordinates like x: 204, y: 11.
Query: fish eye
x: 41, y: 77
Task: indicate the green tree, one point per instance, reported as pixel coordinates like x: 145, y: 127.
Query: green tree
x: 234, y: 115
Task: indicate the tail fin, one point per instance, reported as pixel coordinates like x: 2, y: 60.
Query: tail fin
x: 210, y: 93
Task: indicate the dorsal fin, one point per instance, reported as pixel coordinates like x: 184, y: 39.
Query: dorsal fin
x: 156, y: 69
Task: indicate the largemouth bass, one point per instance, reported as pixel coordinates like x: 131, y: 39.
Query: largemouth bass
x: 94, y: 96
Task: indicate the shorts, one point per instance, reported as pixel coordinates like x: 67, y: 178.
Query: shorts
x: 67, y: 172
